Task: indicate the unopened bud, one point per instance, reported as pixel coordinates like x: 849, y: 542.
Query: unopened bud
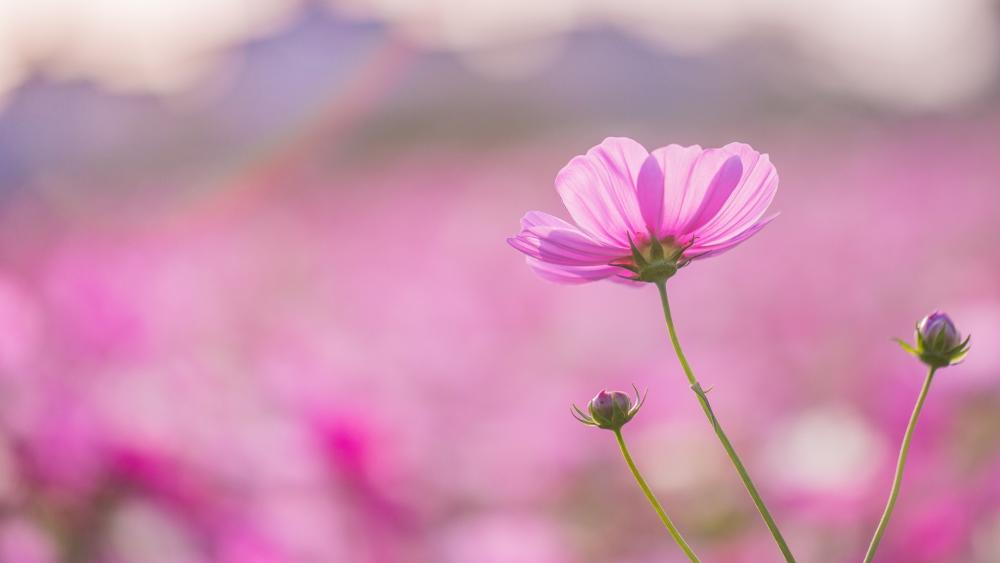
x: 610, y: 409
x: 939, y: 343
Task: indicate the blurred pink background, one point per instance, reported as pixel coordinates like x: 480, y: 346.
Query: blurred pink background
x: 257, y: 307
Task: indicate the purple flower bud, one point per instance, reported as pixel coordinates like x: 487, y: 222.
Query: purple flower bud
x: 938, y: 333
x: 611, y: 409
x: 939, y: 343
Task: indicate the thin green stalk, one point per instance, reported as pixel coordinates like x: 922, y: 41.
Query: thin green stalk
x: 898, y: 479
x: 652, y: 499
x: 705, y: 406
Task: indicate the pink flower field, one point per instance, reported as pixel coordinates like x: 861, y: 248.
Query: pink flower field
x: 269, y: 315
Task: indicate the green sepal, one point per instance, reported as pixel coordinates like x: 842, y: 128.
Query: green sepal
x: 961, y: 348
x: 959, y: 357
x: 655, y: 249
x: 581, y: 416
x: 676, y: 256
x: 957, y: 354
x: 639, y: 399
x: 906, y: 346
x: 920, y: 338
x: 637, y: 256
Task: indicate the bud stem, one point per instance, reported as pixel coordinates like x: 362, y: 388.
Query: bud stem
x: 652, y: 499
x: 900, y: 464
x: 705, y: 406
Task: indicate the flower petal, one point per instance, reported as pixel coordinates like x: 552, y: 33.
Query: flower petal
x: 568, y: 247
x: 715, y: 194
x: 649, y: 190
x: 700, y: 250
x: 570, y: 274
x: 675, y: 164
x: 599, y: 190
x: 696, y: 184
x: 749, y: 200
x: 542, y: 219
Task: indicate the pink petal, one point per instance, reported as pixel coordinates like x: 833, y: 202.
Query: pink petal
x: 571, y: 274
x: 675, y: 165
x: 696, y: 184
x: 599, y: 190
x: 749, y: 200
x: 542, y: 219
x: 568, y: 247
x: 649, y: 189
x: 700, y: 250
x: 715, y: 194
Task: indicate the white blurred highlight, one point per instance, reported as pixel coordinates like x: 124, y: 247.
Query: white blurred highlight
x: 916, y: 56
x: 151, y: 45
x: 140, y: 531
x: 908, y: 55
x: 986, y: 540
x: 824, y: 450
x: 696, y: 469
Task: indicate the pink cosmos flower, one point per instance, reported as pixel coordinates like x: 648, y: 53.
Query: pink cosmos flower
x: 696, y: 202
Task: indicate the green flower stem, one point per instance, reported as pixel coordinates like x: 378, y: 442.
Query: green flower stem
x: 705, y: 406
x: 652, y: 499
x: 898, y: 479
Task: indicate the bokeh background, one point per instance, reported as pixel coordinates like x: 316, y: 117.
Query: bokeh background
x: 257, y: 307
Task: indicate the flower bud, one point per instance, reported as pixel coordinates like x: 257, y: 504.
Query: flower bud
x: 938, y: 333
x: 939, y: 343
x: 610, y: 409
